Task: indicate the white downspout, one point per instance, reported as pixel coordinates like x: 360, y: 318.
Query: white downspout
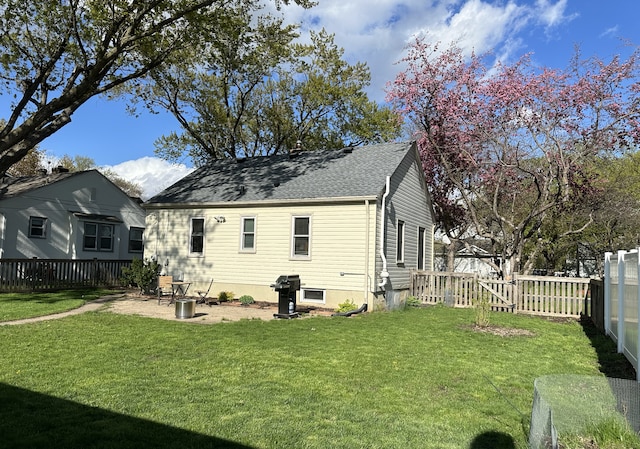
x: 367, y: 285
x: 384, y: 274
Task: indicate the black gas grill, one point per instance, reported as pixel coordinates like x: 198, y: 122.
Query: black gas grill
x: 287, y: 286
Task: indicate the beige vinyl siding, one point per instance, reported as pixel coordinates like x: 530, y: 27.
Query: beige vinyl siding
x: 338, y: 244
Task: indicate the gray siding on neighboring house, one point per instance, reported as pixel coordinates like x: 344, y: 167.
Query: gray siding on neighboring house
x: 66, y: 201
x: 409, y: 202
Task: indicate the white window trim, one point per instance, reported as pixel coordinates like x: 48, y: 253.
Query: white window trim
x: 97, y: 236
x: 242, y: 234
x: 314, y: 301
x: 204, y: 236
x: 422, y: 234
x: 400, y: 238
x: 44, y: 228
x: 292, y: 254
x: 131, y: 240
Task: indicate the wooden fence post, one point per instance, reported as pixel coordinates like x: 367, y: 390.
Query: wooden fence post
x: 34, y: 266
x: 515, y: 288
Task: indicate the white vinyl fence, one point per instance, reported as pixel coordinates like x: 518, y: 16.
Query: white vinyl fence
x: 622, y: 296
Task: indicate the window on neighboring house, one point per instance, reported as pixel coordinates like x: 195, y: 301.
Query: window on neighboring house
x: 37, y: 227
x: 422, y: 243
x: 301, y: 237
x: 248, y: 234
x: 196, y: 240
x: 312, y: 295
x: 400, y: 242
x: 136, y: 242
x: 98, y: 237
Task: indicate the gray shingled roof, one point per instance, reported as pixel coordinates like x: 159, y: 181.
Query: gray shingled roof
x: 13, y: 186
x: 360, y: 172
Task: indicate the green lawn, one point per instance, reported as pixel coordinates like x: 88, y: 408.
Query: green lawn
x: 14, y: 306
x: 420, y: 378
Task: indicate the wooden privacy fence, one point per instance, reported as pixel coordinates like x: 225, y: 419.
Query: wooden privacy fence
x: 51, y: 274
x: 536, y: 295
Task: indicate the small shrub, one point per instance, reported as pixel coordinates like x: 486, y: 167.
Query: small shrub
x: 483, y: 309
x: 412, y: 301
x: 225, y: 296
x: 346, y: 306
x: 245, y: 300
x: 141, y: 274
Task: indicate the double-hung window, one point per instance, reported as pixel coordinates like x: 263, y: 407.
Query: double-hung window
x: 98, y: 236
x: 248, y: 234
x: 301, y: 237
x: 422, y: 246
x: 37, y: 227
x: 136, y: 243
x: 196, y: 237
x: 400, y: 242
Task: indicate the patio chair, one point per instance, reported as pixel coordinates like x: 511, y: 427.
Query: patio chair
x: 203, y: 296
x: 164, y: 287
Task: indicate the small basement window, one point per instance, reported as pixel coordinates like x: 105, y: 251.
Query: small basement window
x: 312, y: 295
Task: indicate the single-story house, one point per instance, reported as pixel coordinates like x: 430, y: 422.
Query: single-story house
x: 470, y: 259
x: 68, y: 215
x: 351, y: 223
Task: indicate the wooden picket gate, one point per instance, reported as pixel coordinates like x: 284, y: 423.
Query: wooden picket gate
x: 537, y: 295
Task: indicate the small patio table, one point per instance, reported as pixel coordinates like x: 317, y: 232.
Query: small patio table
x: 179, y: 289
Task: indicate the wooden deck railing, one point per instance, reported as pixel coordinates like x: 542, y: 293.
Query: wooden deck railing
x: 51, y: 274
x: 536, y: 295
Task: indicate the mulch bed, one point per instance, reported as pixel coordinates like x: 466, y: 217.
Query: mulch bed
x: 502, y: 331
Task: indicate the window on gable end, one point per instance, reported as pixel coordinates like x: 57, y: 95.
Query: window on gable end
x: 422, y: 246
x: 37, y: 227
x: 400, y: 242
x: 98, y: 236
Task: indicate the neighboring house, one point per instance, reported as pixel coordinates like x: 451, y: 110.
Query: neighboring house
x: 63, y: 215
x: 469, y: 260
x: 351, y: 223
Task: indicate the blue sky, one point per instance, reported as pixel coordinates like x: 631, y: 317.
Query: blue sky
x: 374, y: 31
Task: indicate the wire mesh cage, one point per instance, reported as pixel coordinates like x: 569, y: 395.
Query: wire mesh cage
x: 574, y: 406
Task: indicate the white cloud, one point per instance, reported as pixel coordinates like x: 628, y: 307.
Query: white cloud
x: 613, y: 31
x: 552, y: 14
x: 378, y: 32
x: 151, y: 173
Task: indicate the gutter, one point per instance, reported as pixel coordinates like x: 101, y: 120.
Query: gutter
x: 261, y: 202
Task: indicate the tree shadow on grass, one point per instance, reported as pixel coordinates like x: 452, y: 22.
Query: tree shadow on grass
x: 612, y: 363
x: 34, y: 420
x: 45, y: 297
x: 493, y: 440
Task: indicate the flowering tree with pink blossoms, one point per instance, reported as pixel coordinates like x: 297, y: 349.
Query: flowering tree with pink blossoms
x: 506, y: 148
